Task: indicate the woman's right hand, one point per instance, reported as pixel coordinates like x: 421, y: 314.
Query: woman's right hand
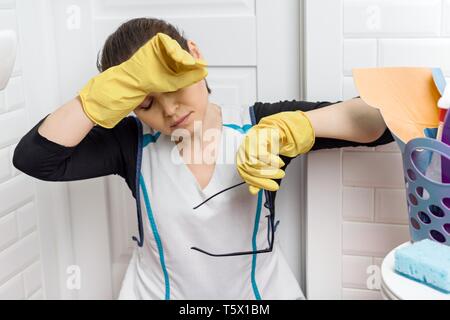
x: 161, y: 65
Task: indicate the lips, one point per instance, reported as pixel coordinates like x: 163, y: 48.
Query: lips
x: 179, y: 121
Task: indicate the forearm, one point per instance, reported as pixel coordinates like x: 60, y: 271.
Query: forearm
x: 351, y: 120
x: 75, y: 149
x: 67, y: 125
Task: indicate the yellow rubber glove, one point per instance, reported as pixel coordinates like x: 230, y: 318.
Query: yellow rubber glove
x: 161, y: 65
x: 288, y: 133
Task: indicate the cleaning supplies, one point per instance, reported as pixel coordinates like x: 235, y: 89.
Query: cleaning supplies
x: 444, y: 131
x: 438, y: 168
x: 425, y: 261
x: 444, y: 101
x: 406, y: 96
x: 446, y: 139
x: 439, y: 80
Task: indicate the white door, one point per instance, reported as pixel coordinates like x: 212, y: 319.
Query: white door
x: 253, y: 51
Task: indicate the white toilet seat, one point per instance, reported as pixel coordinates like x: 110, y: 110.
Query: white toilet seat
x: 386, y: 293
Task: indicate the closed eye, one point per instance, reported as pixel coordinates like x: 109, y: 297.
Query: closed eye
x: 147, y: 104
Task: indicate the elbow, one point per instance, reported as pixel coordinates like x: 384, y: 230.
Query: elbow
x: 376, y: 129
x: 371, y: 124
x: 39, y: 168
x: 376, y: 134
x: 21, y: 161
x: 31, y: 158
x: 370, y: 135
x: 26, y: 163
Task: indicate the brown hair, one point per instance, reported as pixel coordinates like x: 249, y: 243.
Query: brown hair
x: 132, y: 35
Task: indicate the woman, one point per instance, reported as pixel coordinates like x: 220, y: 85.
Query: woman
x: 201, y: 235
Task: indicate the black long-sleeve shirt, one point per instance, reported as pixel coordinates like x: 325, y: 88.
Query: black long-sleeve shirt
x: 114, y: 151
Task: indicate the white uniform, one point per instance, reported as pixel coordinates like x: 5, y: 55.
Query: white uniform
x: 166, y: 267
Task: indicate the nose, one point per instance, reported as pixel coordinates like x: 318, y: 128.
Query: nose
x: 168, y: 104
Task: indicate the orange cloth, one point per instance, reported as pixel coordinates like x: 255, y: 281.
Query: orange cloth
x: 407, y: 98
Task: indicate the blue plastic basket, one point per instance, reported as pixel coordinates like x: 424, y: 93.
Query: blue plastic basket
x: 428, y: 200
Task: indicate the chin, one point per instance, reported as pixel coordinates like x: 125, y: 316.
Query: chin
x: 187, y: 129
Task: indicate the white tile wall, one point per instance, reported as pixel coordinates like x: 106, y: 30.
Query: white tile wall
x: 349, y: 90
x: 390, y: 206
x: 392, y: 18
x: 8, y: 230
x: 354, y: 271
x: 372, y: 169
x: 415, y: 52
x: 20, y: 254
x: 2, y: 102
x: 26, y: 219
x: 32, y: 279
x: 358, y: 204
x: 446, y: 18
x: 14, y: 97
x: 376, y: 33
x: 5, y: 169
x: 13, y: 125
x: 359, y: 53
x: 13, y: 289
x: 15, y: 193
x: 358, y: 294
x: 38, y: 295
x: 372, y: 239
x: 198, y: 8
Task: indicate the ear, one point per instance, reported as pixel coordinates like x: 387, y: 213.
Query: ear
x: 194, y: 50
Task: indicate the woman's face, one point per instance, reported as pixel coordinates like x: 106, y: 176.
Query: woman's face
x: 163, y: 111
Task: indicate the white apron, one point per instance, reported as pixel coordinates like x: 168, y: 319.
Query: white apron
x: 166, y: 267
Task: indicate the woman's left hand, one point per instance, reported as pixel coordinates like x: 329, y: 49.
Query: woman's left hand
x: 288, y: 133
